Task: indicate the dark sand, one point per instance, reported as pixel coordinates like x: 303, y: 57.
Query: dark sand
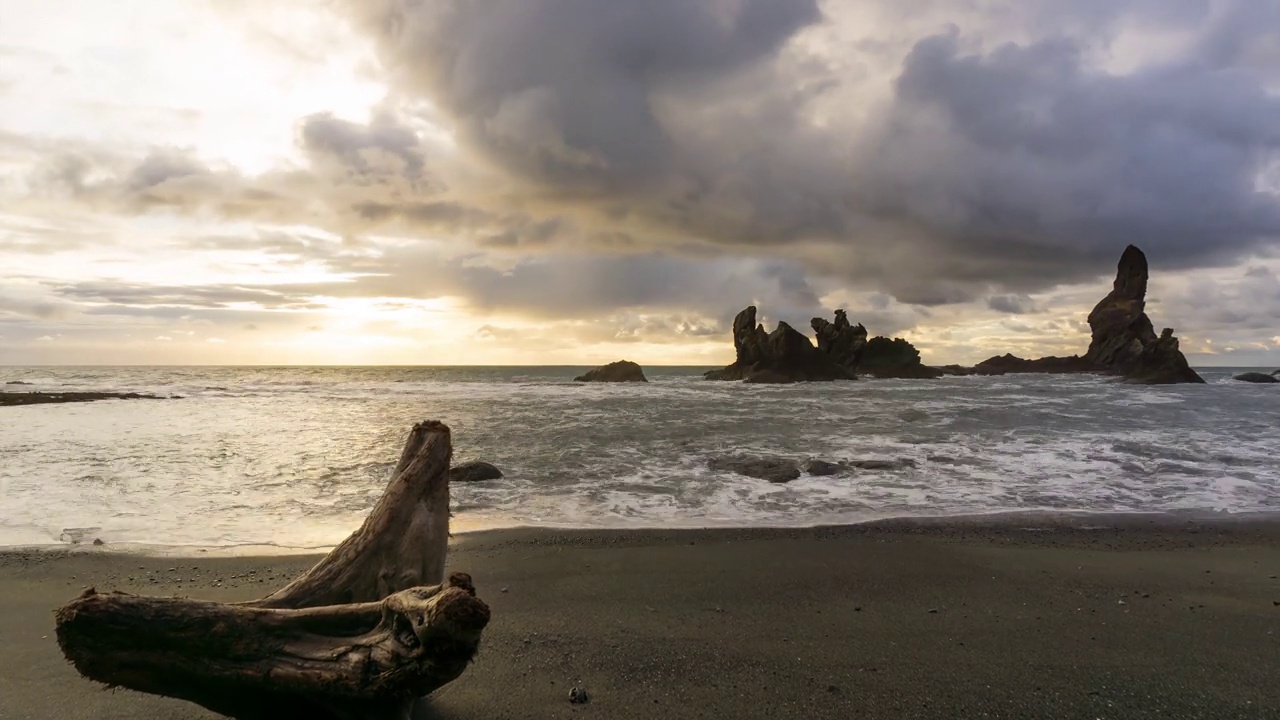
x: 986, y: 619
x: 9, y: 398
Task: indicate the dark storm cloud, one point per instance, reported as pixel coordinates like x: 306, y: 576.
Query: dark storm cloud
x: 582, y: 285
x: 703, y: 154
x: 561, y: 91
x: 1011, y: 304
x: 364, y: 149
x: 1016, y: 165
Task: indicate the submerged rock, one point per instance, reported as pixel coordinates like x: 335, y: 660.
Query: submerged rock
x: 621, y: 371
x: 8, y: 399
x: 784, y: 352
x: 775, y: 470
x: 474, y: 471
x: 822, y: 468
x: 1255, y: 377
x: 900, y: 464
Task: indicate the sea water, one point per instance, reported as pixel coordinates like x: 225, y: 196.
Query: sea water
x: 295, y: 457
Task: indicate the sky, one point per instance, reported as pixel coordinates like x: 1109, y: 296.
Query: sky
x: 573, y: 181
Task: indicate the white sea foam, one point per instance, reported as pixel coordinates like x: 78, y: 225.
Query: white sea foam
x: 295, y: 457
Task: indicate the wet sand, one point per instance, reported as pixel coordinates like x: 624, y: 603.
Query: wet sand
x: 1006, y: 618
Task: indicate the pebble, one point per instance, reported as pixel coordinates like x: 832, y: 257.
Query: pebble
x: 578, y: 696
x: 933, y: 611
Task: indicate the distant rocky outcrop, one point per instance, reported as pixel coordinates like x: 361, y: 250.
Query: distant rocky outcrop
x: 1124, y: 341
x: 10, y: 399
x: 621, y: 371
x: 896, y: 358
x: 474, y: 471
x: 1257, y: 377
x: 1008, y: 363
x: 784, y: 353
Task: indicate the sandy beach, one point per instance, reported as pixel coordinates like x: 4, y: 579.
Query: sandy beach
x: 997, y: 618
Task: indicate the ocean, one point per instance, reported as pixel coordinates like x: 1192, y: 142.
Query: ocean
x: 293, y: 458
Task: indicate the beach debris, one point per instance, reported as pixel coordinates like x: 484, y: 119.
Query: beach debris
x: 578, y: 696
x: 366, y: 632
x: 474, y: 471
x: 621, y: 371
x: 98, y: 542
x: 933, y: 611
x: 775, y: 470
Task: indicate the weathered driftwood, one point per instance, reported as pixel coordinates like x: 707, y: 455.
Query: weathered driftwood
x: 363, y: 634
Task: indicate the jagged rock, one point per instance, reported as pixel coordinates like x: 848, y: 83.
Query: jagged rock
x: 1121, y: 328
x: 1123, y: 341
x: 768, y: 377
x: 17, y: 382
x: 821, y: 468
x: 775, y: 470
x: 621, y: 371
x: 842, y: 342
x: 956, y: 370
x: 1123, y: 337
x: 884, y: 358
x: 1162, y: 363
x: 1255, y: 377
x: 474, y: 471
x: 784, y: 351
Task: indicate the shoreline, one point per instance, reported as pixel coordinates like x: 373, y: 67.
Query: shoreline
x: 1047, y: 520
x: 1140, y: 618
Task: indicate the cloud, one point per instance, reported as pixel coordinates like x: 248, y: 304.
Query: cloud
x: 1012, y: 304
x: 640, y: 168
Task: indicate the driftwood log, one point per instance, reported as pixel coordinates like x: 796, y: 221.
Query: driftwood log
x: 366, y: 633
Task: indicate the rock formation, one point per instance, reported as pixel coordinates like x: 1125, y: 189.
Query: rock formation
x: 621, y: 371
x: 896, y: 358
x: 1124, y: 340
x: 1161, y: 363
x: 1261, y: 378
x: 1008, y: 363
x: 775, y: 470
x: 474, y: 471
x: 842, y: 342
x: 783, y: 353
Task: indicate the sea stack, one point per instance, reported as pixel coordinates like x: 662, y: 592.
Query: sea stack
x: 783, y: 354
x: 1124, y: 340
